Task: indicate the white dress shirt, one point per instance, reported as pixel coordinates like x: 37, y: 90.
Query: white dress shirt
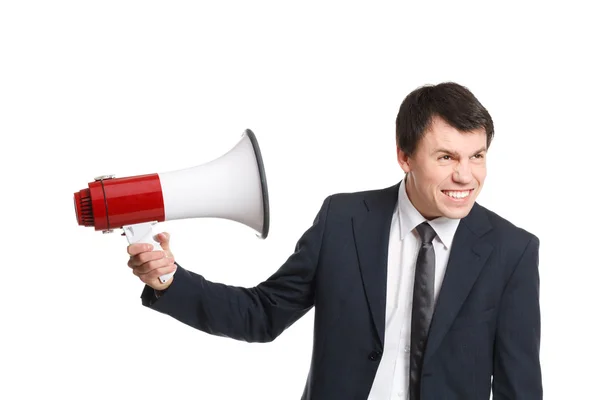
x: 391, y: 380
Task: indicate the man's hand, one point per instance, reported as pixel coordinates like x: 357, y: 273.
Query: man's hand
x: 149, y: 265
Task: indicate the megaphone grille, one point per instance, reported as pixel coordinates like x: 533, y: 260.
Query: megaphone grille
x: 83, y: 208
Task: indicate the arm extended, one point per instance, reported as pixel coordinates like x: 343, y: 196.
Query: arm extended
x: 257, y: 314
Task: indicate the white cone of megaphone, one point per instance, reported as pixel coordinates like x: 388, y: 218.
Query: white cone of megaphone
x: 233, y: 187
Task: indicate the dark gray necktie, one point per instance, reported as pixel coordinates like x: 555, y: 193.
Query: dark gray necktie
x: 422, y: 307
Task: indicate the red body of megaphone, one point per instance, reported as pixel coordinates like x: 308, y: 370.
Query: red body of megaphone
x: 109, y: 202
x: 232, y: 187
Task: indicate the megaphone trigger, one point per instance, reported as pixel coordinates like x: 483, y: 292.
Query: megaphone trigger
x: 144, y: 233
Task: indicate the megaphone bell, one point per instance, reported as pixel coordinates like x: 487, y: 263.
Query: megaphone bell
x: 232, y: 187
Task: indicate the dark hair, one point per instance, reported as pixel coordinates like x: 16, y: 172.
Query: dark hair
x: 450, y: 101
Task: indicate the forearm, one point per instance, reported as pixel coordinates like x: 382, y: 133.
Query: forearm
x: 257, y: 314
x: 215, y: 308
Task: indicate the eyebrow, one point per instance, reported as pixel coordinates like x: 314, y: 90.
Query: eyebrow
x: 453, y: 153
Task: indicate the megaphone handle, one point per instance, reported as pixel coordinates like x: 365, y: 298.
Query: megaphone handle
x: 144, y: 233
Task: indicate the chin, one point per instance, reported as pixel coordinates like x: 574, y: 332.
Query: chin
x: 457, y: 212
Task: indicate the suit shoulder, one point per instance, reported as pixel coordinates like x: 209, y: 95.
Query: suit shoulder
x: 507, y: 228
x: 347, y: 201
x: 352, y: 197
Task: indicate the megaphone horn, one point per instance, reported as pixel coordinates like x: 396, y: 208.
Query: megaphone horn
x: 233, y: 187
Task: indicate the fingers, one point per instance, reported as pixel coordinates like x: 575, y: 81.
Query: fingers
x: 136, y: 248
x: 145, y: 257
x: 149, y: 266
x: 152, y: 270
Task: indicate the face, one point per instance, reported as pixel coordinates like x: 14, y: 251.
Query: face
x: 446, y: 172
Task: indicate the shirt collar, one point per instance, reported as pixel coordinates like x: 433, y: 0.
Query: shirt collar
x: 410, y: 218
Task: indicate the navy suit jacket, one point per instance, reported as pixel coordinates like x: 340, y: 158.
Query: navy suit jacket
x: 486, y: 324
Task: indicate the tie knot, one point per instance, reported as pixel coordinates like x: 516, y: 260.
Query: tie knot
x: 426, y: 232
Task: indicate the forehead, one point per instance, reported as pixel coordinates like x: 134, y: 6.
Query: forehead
x: 441, y: 135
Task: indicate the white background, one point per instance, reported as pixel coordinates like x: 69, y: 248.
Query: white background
x: 132, y: 87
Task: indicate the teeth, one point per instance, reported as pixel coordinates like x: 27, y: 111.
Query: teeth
x: 457, y: 195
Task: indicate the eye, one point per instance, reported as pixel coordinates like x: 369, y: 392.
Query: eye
x: 445, y: 157
x: 478, y: 155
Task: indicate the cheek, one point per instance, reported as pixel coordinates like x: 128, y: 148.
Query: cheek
x: 480, y: 173
x: 429, y: 184
x: 440, y: 177
x: 433, y: 175
x: 430, y: 179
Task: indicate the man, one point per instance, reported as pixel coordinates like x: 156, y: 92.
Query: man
x: 419, y: 291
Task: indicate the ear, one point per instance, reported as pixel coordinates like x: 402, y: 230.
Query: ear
x: 403, y: 160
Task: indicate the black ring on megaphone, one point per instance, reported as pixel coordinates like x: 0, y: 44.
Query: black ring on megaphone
x: 263, y: 183
x: 105, y: 204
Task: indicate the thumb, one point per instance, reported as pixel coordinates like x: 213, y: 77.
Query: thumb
x: 163, y: 238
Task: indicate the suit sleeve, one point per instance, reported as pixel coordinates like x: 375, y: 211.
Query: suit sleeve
x: 517, y: 370
x: 257, y: 314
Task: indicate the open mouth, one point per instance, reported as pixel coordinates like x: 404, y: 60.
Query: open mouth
x: 458, y: 194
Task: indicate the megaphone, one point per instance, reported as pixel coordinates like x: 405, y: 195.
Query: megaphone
x: 232, y: 187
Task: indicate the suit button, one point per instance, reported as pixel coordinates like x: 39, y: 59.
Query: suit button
x: 375, y: 355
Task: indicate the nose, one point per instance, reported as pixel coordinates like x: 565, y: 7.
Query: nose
x: 462, y: 172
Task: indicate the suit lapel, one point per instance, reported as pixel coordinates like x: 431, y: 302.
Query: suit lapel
x: 468, y: 255
x: 371, y: 234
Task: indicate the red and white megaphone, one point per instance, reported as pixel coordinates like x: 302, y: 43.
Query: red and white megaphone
x: 232, y: 187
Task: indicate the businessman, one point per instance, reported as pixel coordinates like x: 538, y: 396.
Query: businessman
x: 420, y: 293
